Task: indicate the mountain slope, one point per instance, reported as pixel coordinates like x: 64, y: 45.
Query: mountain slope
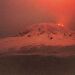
x: 40, y: 35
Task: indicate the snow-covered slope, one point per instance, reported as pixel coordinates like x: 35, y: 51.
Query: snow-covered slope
x: 38, y: 35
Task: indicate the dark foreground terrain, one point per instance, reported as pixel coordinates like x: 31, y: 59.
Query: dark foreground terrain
x: 36, y: 65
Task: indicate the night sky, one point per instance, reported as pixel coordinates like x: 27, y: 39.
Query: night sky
x: 16, y: 15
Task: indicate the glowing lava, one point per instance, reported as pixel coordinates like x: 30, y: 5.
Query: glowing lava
x: 60, y: 25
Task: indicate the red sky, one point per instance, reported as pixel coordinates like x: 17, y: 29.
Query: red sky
x: 17, y: 14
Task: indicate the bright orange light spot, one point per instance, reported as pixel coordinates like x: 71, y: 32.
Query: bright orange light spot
x: 61, y: 25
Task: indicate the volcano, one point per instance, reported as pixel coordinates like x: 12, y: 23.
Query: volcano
x: 43, y: 39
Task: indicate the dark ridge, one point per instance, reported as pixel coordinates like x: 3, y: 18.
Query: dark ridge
x: 47, y: 49
x: 40, y: 50
x: 36, y: 65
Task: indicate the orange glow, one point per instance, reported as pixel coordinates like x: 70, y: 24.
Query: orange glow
x: 60, y: 25
x: 18, y: 14
x: 62, y: 9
